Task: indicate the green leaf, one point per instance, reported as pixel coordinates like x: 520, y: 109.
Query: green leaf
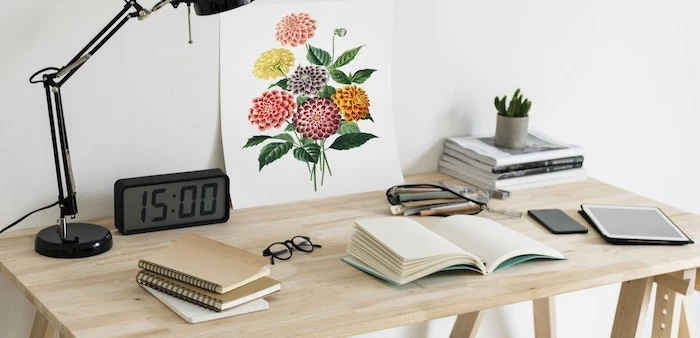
x: 290, y: 127
x: 273, y: 152
x: 349, y: 141
x: 362, y: 75
x: 255, y: 140
x: 301, y: 100
x: 318, y: 56
x: 348, y: 128
x: 281, y: 83
x: 285, y: 137
x: 340, y: 77
x: 326, y: 92
x: 306, y: 141
x: 346, y: 57
x: 368, y: 117
x: 309, y: 153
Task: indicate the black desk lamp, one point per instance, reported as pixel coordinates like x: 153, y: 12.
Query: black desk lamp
x: 74, y: 240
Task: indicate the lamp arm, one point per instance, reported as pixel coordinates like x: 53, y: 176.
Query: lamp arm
x: 108, y: 31
x: 59, y: 136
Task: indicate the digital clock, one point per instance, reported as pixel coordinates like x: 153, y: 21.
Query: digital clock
x: 162, y: 202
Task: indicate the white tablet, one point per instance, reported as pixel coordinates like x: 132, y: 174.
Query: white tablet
x: 634, y: 223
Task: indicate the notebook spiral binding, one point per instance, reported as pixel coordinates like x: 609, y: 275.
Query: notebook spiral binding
x: 505, y: 212
x: 187, y: 295
x: 183, y: 277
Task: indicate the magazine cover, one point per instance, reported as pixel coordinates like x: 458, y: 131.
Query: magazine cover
x: 540, y: 147
x: 306, y: 108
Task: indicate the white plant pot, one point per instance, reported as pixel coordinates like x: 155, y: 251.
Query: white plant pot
x: 511, y: 132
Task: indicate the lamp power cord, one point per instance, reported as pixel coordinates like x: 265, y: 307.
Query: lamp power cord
x: 27, y: 215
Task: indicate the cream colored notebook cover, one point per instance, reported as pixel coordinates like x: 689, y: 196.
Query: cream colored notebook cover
x: 206, y: 263
x: 196, y: 314
x: 256, y: 289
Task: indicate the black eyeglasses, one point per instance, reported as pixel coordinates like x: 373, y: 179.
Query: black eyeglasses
x: 283, y: 250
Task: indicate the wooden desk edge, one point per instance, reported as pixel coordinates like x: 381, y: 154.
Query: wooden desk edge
x: 540, y: 293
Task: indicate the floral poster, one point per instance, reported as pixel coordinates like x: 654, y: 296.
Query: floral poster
x: 306, y: 100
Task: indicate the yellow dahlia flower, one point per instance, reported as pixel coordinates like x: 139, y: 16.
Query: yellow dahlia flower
x: 353, y: 102
x: 274, y: 63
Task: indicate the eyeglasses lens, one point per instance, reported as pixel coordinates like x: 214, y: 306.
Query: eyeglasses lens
x: 280, y: 251
x: 302, y: 243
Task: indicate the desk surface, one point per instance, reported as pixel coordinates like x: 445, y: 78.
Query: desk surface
x: 322, y: 296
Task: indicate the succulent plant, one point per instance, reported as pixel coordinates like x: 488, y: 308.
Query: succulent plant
x: 517, y: 107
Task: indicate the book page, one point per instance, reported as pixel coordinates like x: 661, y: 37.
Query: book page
x: 493, y: 242
x: 407, y: 238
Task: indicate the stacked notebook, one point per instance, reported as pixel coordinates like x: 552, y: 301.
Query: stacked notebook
x: 202, y: 279
x: 544, y: 161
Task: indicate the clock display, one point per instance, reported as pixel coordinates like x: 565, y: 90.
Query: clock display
x: 170, y: 201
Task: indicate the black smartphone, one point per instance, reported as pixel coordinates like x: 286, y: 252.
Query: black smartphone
x: 557, y: 221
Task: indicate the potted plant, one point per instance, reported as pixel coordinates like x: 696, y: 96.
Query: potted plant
x: 512, y: 121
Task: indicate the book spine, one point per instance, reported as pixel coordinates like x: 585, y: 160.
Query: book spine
x: 183, y: 277
x: 529, y: 165
x: 178, y: 291
x: 540, y: 170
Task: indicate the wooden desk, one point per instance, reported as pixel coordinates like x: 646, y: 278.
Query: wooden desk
x: 322, y: 296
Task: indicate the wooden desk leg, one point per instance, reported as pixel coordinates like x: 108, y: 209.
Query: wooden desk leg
x: 467, y: 325
x: 632, y: 308
x: 41, y: 327
x: 670, y: 312
x: 687, y: 327
x: 545, y: 318
x: 667, y: 310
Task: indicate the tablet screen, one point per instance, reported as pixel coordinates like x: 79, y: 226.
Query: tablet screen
x: 645, y: 223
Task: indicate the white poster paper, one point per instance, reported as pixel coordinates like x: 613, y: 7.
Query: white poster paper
x: 306, y: 106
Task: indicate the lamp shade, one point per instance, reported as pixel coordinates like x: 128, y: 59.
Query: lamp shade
x: 207, y: 7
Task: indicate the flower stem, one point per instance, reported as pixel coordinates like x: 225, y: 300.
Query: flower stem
x: 299, y: 140
x: 283, y: 73
x: 325, y: 158
x: 323, y: 161
x: 333, y: 49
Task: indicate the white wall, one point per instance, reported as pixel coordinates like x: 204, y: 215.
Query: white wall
x: 618, y: 77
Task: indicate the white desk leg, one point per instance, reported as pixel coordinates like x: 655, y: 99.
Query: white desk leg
x: 41, y: 327
x: 467, y: 325
x: 632, y: 308
x: 545, y: 318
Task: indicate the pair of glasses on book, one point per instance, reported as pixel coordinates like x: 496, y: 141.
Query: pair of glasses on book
x: 283, y: 250
x: 427, y: 199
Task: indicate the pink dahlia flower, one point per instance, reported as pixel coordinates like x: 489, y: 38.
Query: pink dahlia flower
x: 317, y: 118
x: 271, y: 109
x: 295, y: 29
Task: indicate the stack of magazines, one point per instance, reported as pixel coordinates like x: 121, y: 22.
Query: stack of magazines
x: 544, y: 161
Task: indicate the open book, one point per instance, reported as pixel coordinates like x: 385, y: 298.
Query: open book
x: 401, y: 250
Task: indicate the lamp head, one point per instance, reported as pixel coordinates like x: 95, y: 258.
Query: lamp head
x: 207, y: 7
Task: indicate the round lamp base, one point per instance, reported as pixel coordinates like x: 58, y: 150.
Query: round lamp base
x: 85, y: 240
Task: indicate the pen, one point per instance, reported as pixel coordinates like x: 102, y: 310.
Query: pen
x: 450, y: 210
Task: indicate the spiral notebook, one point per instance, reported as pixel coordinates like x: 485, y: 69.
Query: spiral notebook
x: 196, y: 314
x: 259, y: 288
x: 206, y: 263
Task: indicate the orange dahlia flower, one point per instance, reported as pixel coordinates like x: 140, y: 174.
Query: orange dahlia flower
x: 295, y: 29
x: 353, y: 102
